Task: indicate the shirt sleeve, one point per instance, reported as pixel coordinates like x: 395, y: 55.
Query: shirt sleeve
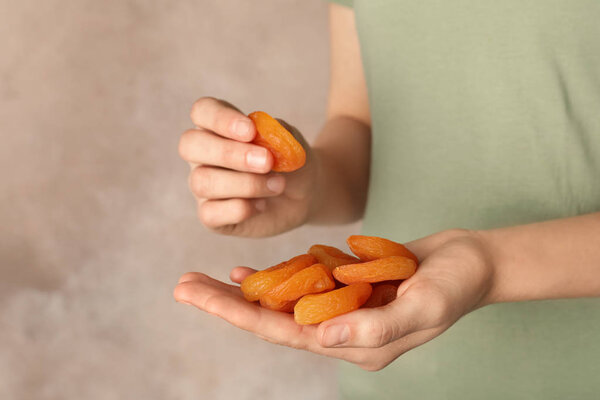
x: 347, y: 3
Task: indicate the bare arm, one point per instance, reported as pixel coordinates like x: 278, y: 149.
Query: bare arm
x: 547, y: 260
x: 343, y: 146
x: 460, y: 270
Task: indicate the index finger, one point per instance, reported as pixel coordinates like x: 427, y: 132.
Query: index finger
x: 223, y: 119
x: 277, y: 327
x: 211, y: 297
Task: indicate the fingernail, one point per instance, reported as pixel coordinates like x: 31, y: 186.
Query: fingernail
x: 335, y: 335
x: 241, y: 128
x: 276, y: 183
x: 261, y: 205
x: 257, y: 158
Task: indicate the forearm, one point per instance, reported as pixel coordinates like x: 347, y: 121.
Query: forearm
x: 342, y: 153
x: 547, y: 260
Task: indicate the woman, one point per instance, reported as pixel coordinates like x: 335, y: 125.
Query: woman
x: 482, y: 115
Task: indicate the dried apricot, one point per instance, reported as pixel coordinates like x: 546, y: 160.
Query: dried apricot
x: 369, y: 248
x: 383, y: 269
x: 331, y: 256
x: 314, y: 279
x: 382, y: 295
x: 277, y: 305
x: 261, y: 282
x: 287, y: 151
x: 315, y: 308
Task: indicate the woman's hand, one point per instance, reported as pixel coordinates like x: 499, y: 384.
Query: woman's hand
x: 231, y: 178
x: 454, y: 278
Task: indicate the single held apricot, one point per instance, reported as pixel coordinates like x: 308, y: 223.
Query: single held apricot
x: 287, y: 151
x: 382, y: 295
x: 257, y: 284
x: 383, y: 269
x: 315, y: 308
x: 331, y: 256
x: 314, y: 279
x: 369, y: 248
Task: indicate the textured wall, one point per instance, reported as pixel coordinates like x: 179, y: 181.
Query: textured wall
x: 96, y: 223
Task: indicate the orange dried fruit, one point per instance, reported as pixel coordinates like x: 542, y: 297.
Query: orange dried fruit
x: 331, y: 256
x: 315, y: 308
x: 261, y: 282
x: 383, y: 269
x: 277, y: 305
x: 314, y: 279
x: 288, y: 153
x: 382, y: 295
x: 369, y: 248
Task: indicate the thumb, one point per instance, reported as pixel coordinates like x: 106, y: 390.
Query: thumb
x: 371, y: 327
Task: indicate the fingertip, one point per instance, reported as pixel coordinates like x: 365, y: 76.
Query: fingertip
x: 270, y: 161
x: 183, y: 293
x: 259, y: 160
x: 203, y: 212
x: 238, y: 274
x: 276, y: 184
x: 234, y: 275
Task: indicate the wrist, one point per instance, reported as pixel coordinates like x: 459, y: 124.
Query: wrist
x: 333, y: 199
x: 474, y: 249
x: 493, y: 260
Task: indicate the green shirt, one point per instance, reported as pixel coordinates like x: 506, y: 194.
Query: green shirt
x: 486, y: 113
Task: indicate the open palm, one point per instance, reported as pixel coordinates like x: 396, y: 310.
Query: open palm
x: 454, y: 278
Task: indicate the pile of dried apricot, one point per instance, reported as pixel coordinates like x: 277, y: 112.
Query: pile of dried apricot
x: 326, y: 282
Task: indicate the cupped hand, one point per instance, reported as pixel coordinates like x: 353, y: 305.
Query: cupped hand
x: 454, y: 278
x: 231, y: 178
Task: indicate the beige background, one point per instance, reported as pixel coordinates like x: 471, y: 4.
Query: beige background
x: 96, y: 222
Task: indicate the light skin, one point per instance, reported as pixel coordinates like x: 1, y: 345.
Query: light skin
x: 460, y: 270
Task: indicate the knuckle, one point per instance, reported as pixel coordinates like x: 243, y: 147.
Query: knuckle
x: 454, y: 232
x: 201, y: 106
x: 378, y: 333
x: 230, y: 156
x: 206, y: 216
x: 241, y: 211
x: 184, y: 144
x: 201, y: 182
x: 221, y: 118
x: 210, y: 304
x: 296, y: 343
x: 253, y: 186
